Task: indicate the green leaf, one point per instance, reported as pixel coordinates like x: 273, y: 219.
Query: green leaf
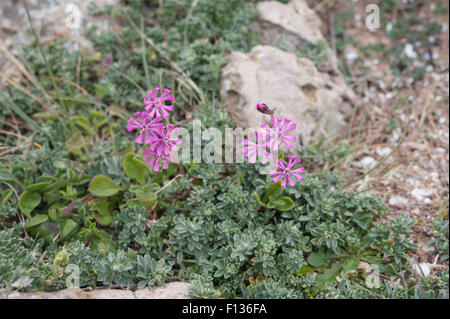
x: 28, y: 201
x: 103, y: 245
x: 104, y: 220
x: 103, y: 186
x: 305, y: 270
x: 103, y: 207
x: 104, y: 210
x: 350, y: 264
x: 283, y: 204
x: 7, y: 176
x: 179, y: 256
x: 37, y: 186
x: 35, y: 221
x: 43, y: 231
x: 142, y: 284
x: 329, y: 275
x: 135, y: 168
x: 83, y: 122
x: 274, y: 190
x: 146, y: 197
x: 132, y: 253
x: 68, y: 228
x: 54, y: 186
x: 76, y: 143
x: 316, y: 259
x: 258, y: 199
x: 146, y: 204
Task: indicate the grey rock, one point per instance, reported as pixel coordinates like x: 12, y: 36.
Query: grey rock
x: 174, y: 290
x: 292, y: 25
x: 280, y: 79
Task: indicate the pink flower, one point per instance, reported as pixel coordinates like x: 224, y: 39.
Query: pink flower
x: 263, y: 108
x: 155, y: 104
x: 163, y: 143
x: 278, y: 133
x: 153, y: 160
x: 147, y: 126
x: 286, y: 172
x: 251, y: 150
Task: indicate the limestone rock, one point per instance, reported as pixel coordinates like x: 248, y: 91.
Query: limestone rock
x: 296, y: 21
x: 280, y: 79
x: 174, y: 290
x: 292, y: 25
x: 50, y: 20
x: 53, y: 18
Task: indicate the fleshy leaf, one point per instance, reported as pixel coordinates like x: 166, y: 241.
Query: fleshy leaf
x: 283, y: 204
x: 35, y: 221
x: 103, y: 186
x: 316, y: 259
x: 135, y: 169
x: 29, y: 201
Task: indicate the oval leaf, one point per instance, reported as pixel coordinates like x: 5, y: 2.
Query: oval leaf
x: 103, y: 186
x: 135, y: 169
x: 316, y: 259
x: 37, y: 186
x: 28, y: 201
x: 68, y: 228
x: 35, y: 221
x: 283, y: 204
x: 104, y: 220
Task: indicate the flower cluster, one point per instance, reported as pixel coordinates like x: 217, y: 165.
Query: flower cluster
x: 269, y: 138
x: 152, y: 132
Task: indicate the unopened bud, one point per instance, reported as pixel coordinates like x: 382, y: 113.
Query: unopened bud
x: 263, y: 108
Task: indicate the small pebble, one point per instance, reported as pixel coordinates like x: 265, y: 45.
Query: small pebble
x: 421, y: 193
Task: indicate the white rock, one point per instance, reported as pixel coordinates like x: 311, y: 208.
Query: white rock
x: 173, y: 290
x: 368, y: 162
x: 395, y: 135
x: 383, y: 151
x: 396, y: 200
x: 295, y: 17
x: 389, y: 26
x: 49, y: 18
x: 292, y: 25
x: 412, y: 181
x: 351, y: 56
x: 422, y: 269
x: 409, y: 51
x: 421, y: 193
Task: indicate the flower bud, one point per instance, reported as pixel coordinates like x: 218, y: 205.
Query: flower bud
x: 263, y: 108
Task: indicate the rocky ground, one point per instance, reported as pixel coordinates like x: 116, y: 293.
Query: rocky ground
x: 414, y: 178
